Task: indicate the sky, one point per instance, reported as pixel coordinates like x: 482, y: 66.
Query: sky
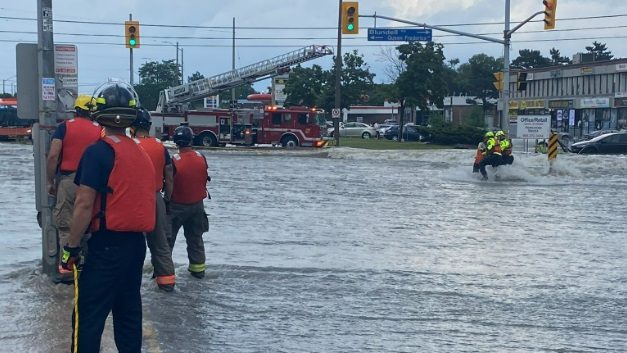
x: 280, y: 27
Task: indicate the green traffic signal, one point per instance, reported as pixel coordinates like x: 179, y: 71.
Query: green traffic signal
x: 350, y: 27
x: 132, y: 42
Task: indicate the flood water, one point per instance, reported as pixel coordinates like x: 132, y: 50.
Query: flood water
x: 347, y: 250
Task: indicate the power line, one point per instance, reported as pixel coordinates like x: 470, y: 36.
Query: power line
x: 299, y: 45
x: 298, y: 38
x: 288, y: 28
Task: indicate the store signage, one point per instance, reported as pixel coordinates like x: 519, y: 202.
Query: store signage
x: 527, y: 104
x: 563, y: 103
x: 620, y: 102
x: 621, y: 67
x: 594, y: 103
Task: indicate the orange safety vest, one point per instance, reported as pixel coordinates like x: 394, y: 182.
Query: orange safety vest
x: 155, y: 150
x: 128, y: 204
x: 190, y: 179
x: 79, y: 133
x: 479, y: 156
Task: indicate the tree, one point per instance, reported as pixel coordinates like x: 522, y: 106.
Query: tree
x: 395, y: 66
x: 356, y: 80
x: 422, y: 83
x: 195, y: 77
x: 154, y: 78
x: 530, y: 59
x: 557, y: 59
x: 600, y: 51
x: 304, y: 85
x: 476, y: 78
x: 165, y: 72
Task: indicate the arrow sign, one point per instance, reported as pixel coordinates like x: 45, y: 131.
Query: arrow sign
x: 400, y: 34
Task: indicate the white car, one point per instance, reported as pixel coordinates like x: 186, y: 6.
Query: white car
x: 355, y: 129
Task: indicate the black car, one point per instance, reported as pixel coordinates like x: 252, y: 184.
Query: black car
x: 607, y: 143
x: 410, y: 133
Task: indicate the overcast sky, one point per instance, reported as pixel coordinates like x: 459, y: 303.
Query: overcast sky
x: 212, y: 54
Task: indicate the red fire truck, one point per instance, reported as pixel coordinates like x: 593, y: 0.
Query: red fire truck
x: 272, y: 125
x: 288, y: 127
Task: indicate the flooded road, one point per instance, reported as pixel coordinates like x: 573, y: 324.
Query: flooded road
x: 347, y: 250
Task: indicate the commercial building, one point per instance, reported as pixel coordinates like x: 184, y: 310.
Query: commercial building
x: 580, y: 98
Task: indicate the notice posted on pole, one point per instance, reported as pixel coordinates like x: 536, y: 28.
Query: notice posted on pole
x: 533, y: 126
x: 47, y: 89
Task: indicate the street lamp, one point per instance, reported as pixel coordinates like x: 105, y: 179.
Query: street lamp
x: 182, y: 79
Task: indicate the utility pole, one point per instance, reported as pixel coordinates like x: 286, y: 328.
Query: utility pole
x: 182, y: 65
x: 47, y: 121
x: 233, y: 65
x: 338, y: 75
x: 504, y: 124
x: 130, y: 18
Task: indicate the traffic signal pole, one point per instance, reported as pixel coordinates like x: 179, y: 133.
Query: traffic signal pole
x: 506, y: 41
x: 130, y: 18
x: 42, y: 133
x: 338, y: 75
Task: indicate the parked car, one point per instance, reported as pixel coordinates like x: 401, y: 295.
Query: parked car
x: 382, y: 128
x: 355, y: 129
x: 615, y: 142
x: 410, y: 133
x: 593, y: 134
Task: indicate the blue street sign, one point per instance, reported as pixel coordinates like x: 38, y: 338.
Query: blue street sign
x: 400, y: 34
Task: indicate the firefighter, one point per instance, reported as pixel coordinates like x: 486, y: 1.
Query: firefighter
x: 506, y: 147
x: 186, y: 208
x: 481, y: 150
x: 69, y: 141
x: 115, y: 200
x: 492, y: 156
x: 160, y: 252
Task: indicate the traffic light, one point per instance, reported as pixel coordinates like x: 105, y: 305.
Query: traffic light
x: 132, y: 34
x: 521, y: 81
x: 350, y: 17
x: 549, y: 13
x: 498, y: 84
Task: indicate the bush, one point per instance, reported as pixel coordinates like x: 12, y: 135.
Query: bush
x: 447, y: 134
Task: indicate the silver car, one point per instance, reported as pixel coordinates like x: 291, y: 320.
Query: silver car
x: 355, y: 129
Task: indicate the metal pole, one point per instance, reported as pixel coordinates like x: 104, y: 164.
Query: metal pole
x: 177, y: 63
x: 182, y: 63
x: 47, y: 121
x: 130, y: 18
x: 338, y: 75
x: 504, y: 125
x: 233, y: 63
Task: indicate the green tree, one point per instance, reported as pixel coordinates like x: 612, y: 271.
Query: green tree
x: 154, y: 77
x: 356, y: 80
x: 477, y: 77
x: 531, y: 59
x: 600, y: 51
x: 305, y: 85
x: 422, y: 83
x: 195, y: 77
x: 557, y: 59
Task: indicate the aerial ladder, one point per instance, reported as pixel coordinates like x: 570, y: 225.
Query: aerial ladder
x: 175, y: 99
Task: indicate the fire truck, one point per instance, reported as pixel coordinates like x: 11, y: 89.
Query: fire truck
x: 266, y: 124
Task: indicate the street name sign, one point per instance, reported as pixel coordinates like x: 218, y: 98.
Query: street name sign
x: 400, y: 34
